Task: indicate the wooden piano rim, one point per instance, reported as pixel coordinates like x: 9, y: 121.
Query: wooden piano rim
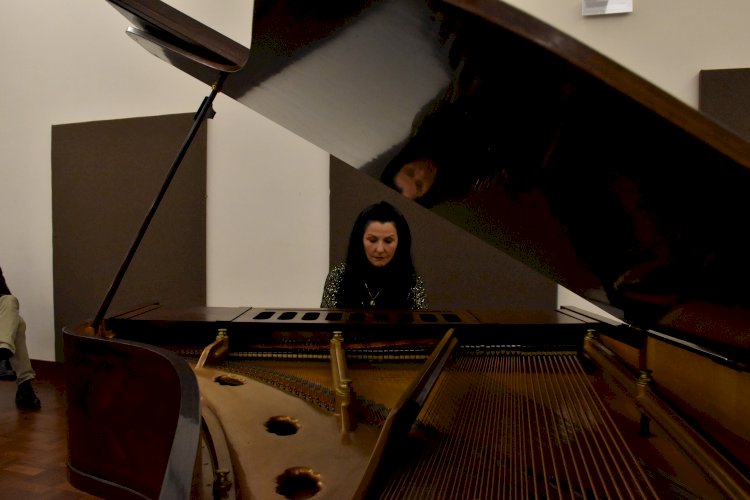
x: 175, y: 482
x: 726, y: 476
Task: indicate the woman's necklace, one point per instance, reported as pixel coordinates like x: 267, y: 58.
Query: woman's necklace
x: 372, y: 297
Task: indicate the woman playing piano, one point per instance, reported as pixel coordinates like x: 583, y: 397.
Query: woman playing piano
x: 378, y: 272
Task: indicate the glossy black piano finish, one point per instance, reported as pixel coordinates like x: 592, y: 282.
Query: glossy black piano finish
x: 543, y: 147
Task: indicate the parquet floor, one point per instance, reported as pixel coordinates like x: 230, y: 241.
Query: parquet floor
x: 33, y: 444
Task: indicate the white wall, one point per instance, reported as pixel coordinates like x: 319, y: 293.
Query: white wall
x: 70, y: 61
x: 267, y: 224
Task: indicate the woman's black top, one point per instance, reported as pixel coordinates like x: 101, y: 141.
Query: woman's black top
x: 370, y: 295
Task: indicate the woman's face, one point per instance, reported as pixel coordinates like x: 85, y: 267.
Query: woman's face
x: 380, y: 241
x: 415, y: 178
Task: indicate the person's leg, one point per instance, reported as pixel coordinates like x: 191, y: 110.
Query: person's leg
x: 9, y: 320
x: 20, y: 361
x: 25, y: 396
x: 6, y: 372
x: 13, y: 343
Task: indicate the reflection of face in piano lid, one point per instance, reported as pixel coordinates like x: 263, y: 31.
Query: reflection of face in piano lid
x: 415, y: 178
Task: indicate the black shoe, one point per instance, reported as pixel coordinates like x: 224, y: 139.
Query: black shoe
x: 5, y: 353
x: 26, y: 397
x: 6, y: 372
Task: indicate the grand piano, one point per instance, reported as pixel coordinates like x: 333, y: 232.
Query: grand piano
x: 511, y: 130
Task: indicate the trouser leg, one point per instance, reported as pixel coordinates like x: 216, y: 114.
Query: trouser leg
x: 20, y: 361
x: 9, y: 321
x: 13, y: 337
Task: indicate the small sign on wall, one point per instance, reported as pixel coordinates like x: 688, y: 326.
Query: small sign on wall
x: 599, y: 7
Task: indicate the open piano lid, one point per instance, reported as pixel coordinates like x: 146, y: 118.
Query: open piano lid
x: 540, y: 146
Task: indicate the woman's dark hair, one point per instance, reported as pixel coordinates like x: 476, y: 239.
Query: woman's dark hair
x: 394, y: 281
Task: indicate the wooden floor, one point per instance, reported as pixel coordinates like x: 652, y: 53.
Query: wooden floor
x: 33, y: 444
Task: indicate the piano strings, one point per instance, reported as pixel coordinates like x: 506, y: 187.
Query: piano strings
x: 523, y: 425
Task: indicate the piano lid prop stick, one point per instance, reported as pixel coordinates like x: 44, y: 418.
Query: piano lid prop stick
x: 204, y: 111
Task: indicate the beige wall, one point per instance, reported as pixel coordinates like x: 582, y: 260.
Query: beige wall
x: 67, y: 62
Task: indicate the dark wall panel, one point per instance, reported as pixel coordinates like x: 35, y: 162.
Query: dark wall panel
x: 725, y: 96
x: 105, y: 177
x: 460, y: 270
